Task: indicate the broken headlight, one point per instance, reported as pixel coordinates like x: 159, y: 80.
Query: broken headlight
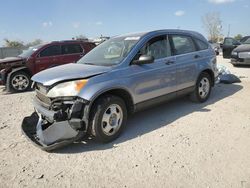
x: 66, y: 89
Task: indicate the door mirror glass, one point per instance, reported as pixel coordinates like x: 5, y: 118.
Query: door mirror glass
x: 144, y: 59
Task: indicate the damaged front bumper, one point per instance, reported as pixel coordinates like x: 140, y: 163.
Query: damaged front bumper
x: 50, y: 129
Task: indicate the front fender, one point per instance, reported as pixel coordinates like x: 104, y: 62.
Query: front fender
x: 92, y: 92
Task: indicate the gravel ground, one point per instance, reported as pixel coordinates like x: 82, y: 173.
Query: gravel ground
x: 178, y: 144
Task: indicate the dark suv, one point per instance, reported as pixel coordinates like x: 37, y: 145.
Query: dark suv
x: 16, y: 71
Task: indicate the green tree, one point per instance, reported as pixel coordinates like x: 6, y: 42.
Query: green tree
x: 238, y: 37
x: 34, y: 43
x: 13, y: 43
x: 20, y: 44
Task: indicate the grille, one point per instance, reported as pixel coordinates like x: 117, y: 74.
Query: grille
x: 41, y: 93
x: 42, y: 89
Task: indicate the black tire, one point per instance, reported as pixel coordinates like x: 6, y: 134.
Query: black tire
x: 197, y: 96
x: 97, y: 124
x: 13, y: 85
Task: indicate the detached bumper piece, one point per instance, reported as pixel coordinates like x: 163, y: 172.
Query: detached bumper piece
x: 55, y: 136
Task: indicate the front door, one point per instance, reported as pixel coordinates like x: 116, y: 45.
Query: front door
x: 228, y: 45
x: 48, y: 57
x: 150, y: 81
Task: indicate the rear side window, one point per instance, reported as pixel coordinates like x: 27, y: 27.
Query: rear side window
x: 201, y: 45
x: 71, y: 49
x: 51, y: 51
x: 182, y: 44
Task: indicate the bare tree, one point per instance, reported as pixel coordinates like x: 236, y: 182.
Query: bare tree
x: 212, y: 24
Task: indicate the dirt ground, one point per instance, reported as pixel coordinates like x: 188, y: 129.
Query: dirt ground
x: 178, y: 144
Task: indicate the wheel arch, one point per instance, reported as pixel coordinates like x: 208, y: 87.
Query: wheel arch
x: 14, y: 70
x: 120, y: 92
x: 211, y: 74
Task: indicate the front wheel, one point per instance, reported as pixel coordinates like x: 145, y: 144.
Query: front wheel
x: 202, y: 89
x: 108, y: 118
x: 19, y: 82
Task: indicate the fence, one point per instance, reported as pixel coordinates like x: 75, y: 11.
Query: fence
x: 9, y: 52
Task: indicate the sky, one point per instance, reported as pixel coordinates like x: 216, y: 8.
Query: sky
x: 26, y: 20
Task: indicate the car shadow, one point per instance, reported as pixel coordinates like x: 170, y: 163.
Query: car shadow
x: 3, y: 91
x: 149, y: 120
x: 242, y: 66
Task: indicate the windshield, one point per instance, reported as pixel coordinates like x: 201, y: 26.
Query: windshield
x: 247, y: 41
x: 27, y: 53
x: 111, y: 52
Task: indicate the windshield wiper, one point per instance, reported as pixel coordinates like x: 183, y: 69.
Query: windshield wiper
x: 89, y: 63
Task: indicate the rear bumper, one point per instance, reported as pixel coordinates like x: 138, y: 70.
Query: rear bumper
x: 240, y: 61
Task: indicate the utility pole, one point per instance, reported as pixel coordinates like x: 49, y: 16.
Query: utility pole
x: 228, y: 32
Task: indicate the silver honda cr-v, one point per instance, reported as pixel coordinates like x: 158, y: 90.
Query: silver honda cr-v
x: 120, y: 76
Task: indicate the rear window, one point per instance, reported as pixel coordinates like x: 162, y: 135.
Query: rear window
x: 71, y: 49
x: 201, y: 45
x: 51, y: 51
x: 183, y: 44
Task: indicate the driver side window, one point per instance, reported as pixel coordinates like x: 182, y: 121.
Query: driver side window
x: 157, y: 47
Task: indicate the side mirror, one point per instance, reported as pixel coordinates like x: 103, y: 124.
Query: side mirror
x: 144, y: 59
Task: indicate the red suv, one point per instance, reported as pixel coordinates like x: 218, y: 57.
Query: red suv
x: 16, y: 71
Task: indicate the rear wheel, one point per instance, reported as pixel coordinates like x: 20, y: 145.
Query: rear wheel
x: 202, y: 88
x: 108, y: 118
x: 19, y: 81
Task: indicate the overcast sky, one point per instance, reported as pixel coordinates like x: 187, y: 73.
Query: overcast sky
x: 48, y: 20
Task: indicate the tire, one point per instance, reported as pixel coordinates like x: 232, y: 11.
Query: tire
x: 202, y: 88
x: 19, y: 82
x: 108, y: 118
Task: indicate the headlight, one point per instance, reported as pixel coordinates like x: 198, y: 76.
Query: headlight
x: 234, y: 53
x: 67, y: 89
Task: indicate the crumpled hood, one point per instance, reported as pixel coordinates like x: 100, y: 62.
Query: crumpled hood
x: 242, y: 48
x: 10, y: 60
x: 68, y: 72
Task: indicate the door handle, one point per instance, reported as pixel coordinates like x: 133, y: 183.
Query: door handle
x: 169, y: 62
x: 197, y: 56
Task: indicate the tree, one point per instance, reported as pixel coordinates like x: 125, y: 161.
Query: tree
x: 20, y: 44
x: 238, y: 37
x: 212, y: 24
x: 13, y: 44
x: 80, y: 37
x: 34, y: 43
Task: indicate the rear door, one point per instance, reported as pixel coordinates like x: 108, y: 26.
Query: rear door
x: 228, y: 45
x: 71, y: 53
x: 187, y: 57
x: 48, y: 57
